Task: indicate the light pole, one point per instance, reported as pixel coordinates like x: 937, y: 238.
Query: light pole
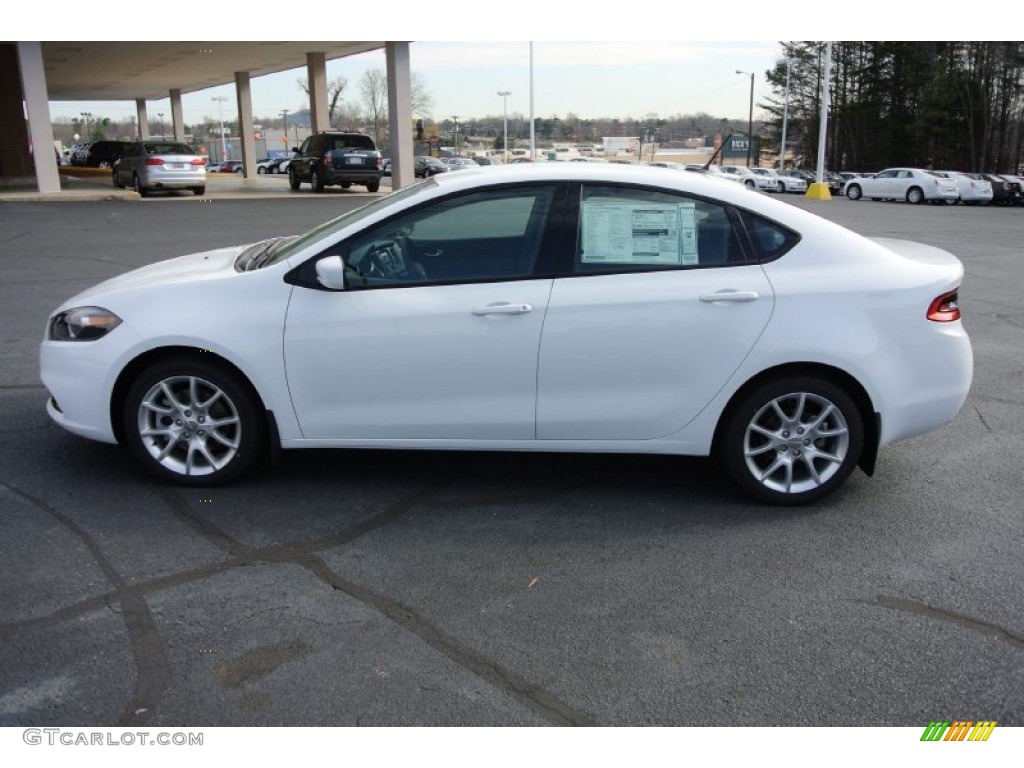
x: 750, y: 115
x: 161, y: 116
x: 223, y: 146
x: 284, y: 115
x: 86, y: 115
x: 455, y: 134
x: 785, y: 118
x: 504, y: 97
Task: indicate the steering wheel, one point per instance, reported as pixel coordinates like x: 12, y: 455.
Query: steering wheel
x: 388, y: 260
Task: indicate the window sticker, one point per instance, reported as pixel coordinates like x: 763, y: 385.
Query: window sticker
x: 639, y: 233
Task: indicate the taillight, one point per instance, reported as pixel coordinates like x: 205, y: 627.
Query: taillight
x: 199, y: 161
x: 327, y: 158
x: 154, y: 161
x: 1006, y: 186
x: 945, y: 308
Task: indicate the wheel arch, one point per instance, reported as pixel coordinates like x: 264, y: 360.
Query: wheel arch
x: 132, y: 370
x: 870, y: 418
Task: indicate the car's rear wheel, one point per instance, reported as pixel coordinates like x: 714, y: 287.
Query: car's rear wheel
x: 117, y: 182
x: 261, y: 170
x: 316, y: 181
x: 137, y: 186
x: 853, y: 192
x: 749, y: 184
x: 793, y: 440
x: 198, y: 190
x: 192, y: 422
x: 373, y: 186
x: 915, y: 195
x: 293, y: 180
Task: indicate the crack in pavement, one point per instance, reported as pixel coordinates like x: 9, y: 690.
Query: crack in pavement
x: 147, y: 646
x: 302, y: 554
x: 941, y: 614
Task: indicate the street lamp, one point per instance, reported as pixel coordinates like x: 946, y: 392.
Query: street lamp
x: 223, y: 146
x: 284, y: 115
x: 86, y: 115
x: 161, y: 116
x: 455, y: 134
x: 750, y: 115
x: 504, y: 97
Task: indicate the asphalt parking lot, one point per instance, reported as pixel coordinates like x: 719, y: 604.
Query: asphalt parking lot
x: 398, y: 588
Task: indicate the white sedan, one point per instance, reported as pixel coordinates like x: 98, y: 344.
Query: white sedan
x: 537, y: 307
x: 750, y: 179
x: 914, y: 185
x: 972, y: 191
x: 781, y: 183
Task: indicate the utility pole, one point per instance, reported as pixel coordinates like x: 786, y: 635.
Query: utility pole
x: 223, y: 144
x: 504, y: 96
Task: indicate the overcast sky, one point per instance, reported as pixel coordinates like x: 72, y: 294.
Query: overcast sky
x: 649, y: 71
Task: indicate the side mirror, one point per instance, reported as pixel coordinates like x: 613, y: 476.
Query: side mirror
x: 330, y: 273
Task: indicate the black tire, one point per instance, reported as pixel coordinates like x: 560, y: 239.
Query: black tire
x: 137, y: 186
x: 238, y: 170
x: 117, y: 184
x: 293, y: 180
x: 749, y: 184
x: 316, y: 181
x: 345, y: 184
x: 177, y: 448
x: 853, y: 192
x: 373, y: 186
x: 915, y: 196
x: 198, y: 190
x: 261, y: 170
x: 800, y: 459
x: 781, y: 188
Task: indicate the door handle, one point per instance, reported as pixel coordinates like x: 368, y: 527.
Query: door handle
x: 503, y: 309
x: 733, y: 296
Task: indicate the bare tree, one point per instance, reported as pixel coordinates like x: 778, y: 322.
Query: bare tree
x: 374, y: 88
x: 335, y: 88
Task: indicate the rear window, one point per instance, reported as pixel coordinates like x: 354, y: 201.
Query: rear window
x: 167, y: 148
x: 354, y: 141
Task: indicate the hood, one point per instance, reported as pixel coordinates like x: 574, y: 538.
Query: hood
x: 194, y: 266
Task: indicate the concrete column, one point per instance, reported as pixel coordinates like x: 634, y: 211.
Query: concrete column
x: 33, y: 86
x: 400, y: 114
x: 143, y: 118
x: 316, y: 71
x: 245, y: 124
x: 16, y: 167
x: 177, y: 116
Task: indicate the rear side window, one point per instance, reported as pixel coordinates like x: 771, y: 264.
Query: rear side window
x: 354, y: 141
x: 622, y: 229
x: 770, y: 240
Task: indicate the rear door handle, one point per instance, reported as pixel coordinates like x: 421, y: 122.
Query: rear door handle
x: 733, y: 296
x: 503, y: 309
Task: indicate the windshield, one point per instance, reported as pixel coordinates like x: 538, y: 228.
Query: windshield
x: 286, y: 248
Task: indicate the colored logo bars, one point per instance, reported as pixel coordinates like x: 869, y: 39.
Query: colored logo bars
x: 960, y: 730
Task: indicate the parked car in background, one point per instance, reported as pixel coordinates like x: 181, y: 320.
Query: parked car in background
x: 263, y: 166
x: 653, y: 164
x: 1016, y: 189
x: 151, y: 166
x: 229, y: 166
x: 781, y: 183
x: 336, y: 158
x: 972, y: 191
x: 459, y: 163
x: 425, y: 166
x: 546, y: 307
x: 99, y: 154
x: 750, y: 179
x: 914, y: 185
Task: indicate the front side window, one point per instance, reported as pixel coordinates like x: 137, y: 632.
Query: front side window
x: 492, y: 234
x: 621, y: 229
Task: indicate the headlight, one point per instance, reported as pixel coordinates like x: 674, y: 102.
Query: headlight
x: 82, y: 324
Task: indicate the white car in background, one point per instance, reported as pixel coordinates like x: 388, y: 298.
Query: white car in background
x: 914, y: 185
x: 750, y: 179
x: 781, y: 183
x: 577, y: 307
x: 972, y: 191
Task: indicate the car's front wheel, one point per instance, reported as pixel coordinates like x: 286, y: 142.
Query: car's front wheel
x: 914, y: 195
x: 293, y: 180
x: 793, y: 440
x: 192, y: 422
x: 853, y: 192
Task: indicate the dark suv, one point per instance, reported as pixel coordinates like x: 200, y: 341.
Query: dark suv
x: 334, y: 158
x: 99, y: 154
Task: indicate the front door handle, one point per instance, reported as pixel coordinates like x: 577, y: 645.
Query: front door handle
x: 733, y: 296
x: 503, y: 308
